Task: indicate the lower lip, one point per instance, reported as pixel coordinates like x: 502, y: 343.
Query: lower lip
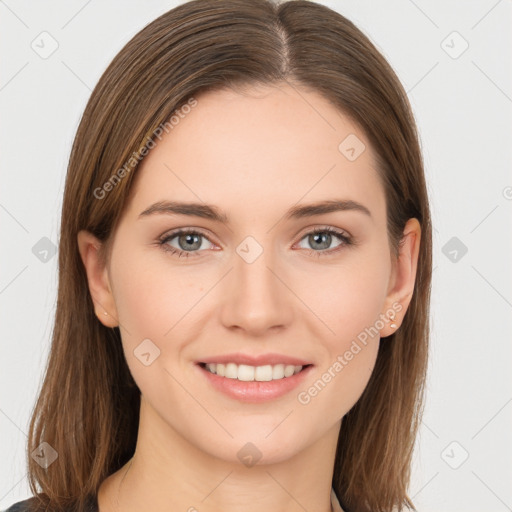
x: 255, y: 392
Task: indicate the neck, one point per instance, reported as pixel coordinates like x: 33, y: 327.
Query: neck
x: 169, y: 473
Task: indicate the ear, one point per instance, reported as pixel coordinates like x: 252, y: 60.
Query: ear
x: 403, y: 277
x: 97, y: 276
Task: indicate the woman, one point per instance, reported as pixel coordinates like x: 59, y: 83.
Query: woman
x: 244, y: 274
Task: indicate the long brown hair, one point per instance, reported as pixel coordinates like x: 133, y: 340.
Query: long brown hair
x: 88, y: 406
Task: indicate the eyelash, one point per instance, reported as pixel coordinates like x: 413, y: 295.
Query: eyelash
x: 346, y: 241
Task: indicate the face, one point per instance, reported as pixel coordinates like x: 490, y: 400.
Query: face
x: 314, y: 287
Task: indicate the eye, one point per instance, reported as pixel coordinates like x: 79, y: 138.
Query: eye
x: 188, y: 240
x: 322, y: 238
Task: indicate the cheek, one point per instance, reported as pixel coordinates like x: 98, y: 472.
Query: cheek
x: 350, y: 347
x: 348, y: 301
x: 152, y: 306
x: 347, y: 298
x: 341, y: 383
x: 159, y: 302
x: 152, y: 296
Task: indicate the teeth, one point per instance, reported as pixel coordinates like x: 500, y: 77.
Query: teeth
x: 253, y: 373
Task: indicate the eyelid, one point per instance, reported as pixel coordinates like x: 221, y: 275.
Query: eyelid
x: 321, y: 228
x: 183, y: 231
x: 344, y: 236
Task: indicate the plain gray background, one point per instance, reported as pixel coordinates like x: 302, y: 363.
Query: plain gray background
x: 462, y: 100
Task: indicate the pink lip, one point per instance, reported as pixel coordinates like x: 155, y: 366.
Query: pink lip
x: 254, y: 392
x: 261, y: 360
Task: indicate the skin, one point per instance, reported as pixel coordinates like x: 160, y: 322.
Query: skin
x: 253, y: 155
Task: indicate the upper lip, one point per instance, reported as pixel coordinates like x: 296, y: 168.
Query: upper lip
x: 261, y: 360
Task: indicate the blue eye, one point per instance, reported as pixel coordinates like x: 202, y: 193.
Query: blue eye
x: 187, y: 238
x: 323, y: 237
x: 191, y: 239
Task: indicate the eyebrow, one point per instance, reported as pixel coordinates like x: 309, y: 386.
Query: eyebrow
x: 211, y: 212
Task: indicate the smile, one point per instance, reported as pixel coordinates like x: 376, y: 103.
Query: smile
x: 259, y: 385
x: 249, y: 373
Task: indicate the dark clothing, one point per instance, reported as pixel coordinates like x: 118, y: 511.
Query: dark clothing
x: 32, y: 505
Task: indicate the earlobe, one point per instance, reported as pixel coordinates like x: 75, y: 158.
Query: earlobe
x: 97, y: 278
x: 400, y: 295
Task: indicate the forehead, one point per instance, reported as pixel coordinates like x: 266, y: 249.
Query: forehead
x: 260, y: 147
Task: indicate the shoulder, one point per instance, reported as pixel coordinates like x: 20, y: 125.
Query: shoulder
x: 34, y: 504
x: 23, y: 506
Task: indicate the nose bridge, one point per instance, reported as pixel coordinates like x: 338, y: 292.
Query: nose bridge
x: 256, y: 299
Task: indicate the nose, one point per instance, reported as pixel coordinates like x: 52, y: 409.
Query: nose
x: 255, y: 297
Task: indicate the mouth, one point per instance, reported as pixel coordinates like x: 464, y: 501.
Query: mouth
x: 248, y: 373
x: 254, y: 385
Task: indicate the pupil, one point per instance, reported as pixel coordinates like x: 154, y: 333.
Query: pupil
x: 325, y: 236
x: 190, y: 240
